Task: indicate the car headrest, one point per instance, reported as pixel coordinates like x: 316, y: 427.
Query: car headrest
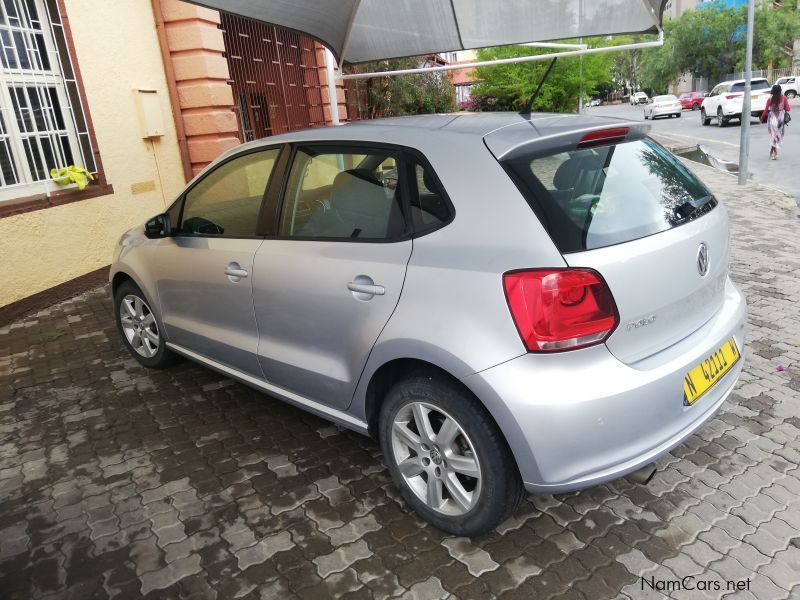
x: 566, y: 174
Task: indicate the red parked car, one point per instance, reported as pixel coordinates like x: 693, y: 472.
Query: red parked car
x: 692, y: 100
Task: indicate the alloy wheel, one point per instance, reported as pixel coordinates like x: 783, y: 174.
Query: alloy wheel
x: 436, y: 458
x: 139, y: 325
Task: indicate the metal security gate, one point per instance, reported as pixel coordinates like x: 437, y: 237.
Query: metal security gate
x: 274, y: 76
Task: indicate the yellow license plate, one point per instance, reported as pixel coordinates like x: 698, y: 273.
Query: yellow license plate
x: 703, y: 377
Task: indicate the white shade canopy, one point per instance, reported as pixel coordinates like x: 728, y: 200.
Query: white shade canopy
x: 366, y: 30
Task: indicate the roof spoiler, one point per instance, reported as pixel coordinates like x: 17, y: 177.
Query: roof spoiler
x: 583, y: 137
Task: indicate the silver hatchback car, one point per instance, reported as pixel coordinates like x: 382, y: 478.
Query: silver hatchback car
x: 506, y: 303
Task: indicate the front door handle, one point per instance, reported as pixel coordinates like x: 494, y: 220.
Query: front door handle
x: 364, y: 288
x: 235, y: 272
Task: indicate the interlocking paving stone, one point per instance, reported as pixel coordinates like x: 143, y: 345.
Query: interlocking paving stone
x: 116, y: 481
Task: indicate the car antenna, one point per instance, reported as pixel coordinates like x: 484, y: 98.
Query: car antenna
x: 526, y: 110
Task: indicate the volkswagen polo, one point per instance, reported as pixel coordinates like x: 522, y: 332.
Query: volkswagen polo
x: 506, y: 303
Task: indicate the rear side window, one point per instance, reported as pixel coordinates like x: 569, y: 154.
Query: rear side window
x: 429, y: 209
x: 596, y: 197
x: 756, y: 84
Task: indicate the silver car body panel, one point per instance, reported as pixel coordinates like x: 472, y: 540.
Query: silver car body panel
x: 202, y: 307
x: 660, y: 295
x: 584, y: 417
x: 571, y: 419
x: 321, y: 354
x: 337, y: 416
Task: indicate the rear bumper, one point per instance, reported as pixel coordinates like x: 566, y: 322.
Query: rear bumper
x: 577, y: 419
x: 659, y: 112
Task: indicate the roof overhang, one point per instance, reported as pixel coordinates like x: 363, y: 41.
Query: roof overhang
x: 368, y: 30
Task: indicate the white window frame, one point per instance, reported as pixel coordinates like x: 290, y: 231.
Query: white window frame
x: 40, y: 80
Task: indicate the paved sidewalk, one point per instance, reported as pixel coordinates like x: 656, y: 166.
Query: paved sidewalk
x: 120, y: 482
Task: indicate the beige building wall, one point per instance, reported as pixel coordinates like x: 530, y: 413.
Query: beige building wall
x: 117, y: 50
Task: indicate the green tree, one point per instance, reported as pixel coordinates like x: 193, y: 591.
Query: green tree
x: 626, y: 64
x: 402, y: 94
x: 510, y: 86
x: 777, y: 29
x: 710, y: 42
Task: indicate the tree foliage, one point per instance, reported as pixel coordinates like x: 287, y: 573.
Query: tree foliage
x: 510, y: 86
x: 710, y: 42
x: 401, y: 95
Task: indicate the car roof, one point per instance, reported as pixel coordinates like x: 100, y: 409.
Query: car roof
x: 742, y: 80
x: 411, y: 129
x: 500, y: 131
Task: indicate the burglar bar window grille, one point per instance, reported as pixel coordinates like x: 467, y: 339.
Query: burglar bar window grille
x: 42, y: 124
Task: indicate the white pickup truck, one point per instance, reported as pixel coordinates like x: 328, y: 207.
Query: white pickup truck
x: 789, y: 86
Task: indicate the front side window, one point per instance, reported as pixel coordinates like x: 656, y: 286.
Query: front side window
x: 227, y: 201
x: 343, y: 193
x: 596, y: 197
x: 42, y: 125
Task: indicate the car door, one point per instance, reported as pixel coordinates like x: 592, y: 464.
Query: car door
x: 204, y: 271
x: 327, y: 283
x: 712, y: 102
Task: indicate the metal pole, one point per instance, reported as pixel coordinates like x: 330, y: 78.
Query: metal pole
x: 744, y: 141
x: 580, y: 83
x: 333, y: 100
x: 505, y: 61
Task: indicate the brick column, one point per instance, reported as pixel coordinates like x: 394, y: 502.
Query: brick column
x: 341, y: 105
x: 204, y: 102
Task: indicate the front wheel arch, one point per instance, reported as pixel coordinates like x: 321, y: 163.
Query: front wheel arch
x: 118, y: 280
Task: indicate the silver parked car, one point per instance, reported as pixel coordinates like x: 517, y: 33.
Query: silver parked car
x: 659, y: 106
x: 506, y: 303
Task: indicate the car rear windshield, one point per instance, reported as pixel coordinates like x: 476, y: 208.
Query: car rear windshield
x: 596, y: 197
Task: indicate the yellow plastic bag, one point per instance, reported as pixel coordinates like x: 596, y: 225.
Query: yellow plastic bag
x: 72, y: 174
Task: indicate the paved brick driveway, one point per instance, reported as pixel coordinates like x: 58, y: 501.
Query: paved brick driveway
x: 120, y: 482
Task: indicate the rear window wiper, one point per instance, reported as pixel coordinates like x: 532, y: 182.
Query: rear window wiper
x: 685, y: 210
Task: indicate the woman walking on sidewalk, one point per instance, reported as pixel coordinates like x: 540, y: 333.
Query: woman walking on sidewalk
x: 776, y: 114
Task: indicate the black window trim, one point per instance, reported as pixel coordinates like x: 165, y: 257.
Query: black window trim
x: 401, y: 153
x: 422, y: 160
x: 181, y: 200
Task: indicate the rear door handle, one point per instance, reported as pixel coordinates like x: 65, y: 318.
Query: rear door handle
x: 363, y: 288
x: 235, y: 272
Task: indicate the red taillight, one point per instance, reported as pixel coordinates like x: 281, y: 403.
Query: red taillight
x: 731, y: 96
x: 560, y: 309
x: 603, y: 136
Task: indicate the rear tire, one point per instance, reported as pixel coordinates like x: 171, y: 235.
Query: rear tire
x: 458, y: 447
x: 791, y: 94
x: 139, y: 328
x: 704, y: 120
x: 695, y: 106
x: 721, y: 120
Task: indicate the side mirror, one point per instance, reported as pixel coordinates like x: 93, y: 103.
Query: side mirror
x: 158, y: 227
x: 707, y: 95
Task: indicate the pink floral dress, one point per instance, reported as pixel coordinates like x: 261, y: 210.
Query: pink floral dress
x: 775, y: 118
